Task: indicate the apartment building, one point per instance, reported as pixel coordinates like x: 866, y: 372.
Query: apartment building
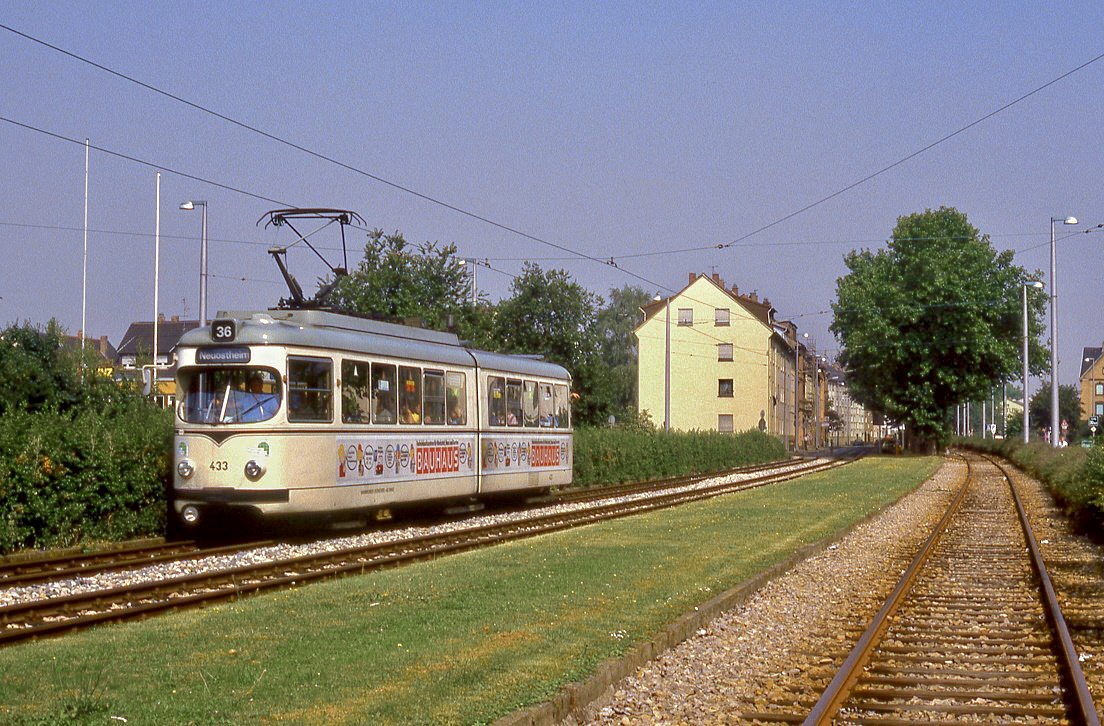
x: 711, y: 358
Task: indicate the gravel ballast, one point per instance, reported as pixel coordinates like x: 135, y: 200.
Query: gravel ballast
x: 763, y: 632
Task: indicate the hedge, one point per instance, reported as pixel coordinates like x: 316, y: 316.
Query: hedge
x: 76, y: 477
x: 615, y: 455
x: 1075, y: 476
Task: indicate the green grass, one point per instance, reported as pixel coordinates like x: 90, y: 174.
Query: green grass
x: 464, y: 639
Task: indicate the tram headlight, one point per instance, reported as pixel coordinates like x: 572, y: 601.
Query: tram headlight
x: 253, y: 470
x: 190, y: 514
x: 185, y: 469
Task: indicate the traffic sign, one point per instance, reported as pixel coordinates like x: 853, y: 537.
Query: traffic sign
x: 1094, y: 420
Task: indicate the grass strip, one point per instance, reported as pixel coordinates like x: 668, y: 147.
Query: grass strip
x: 464, y: 639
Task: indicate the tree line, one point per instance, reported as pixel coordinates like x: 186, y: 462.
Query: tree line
x: 547, y: 313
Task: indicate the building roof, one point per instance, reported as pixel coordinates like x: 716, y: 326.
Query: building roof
x: 100, y: 345
x: 1089, y: 356
x: 139, y: 336
x: 762, y: 310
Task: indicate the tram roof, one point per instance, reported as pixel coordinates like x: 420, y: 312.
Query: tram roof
x: 330, y: 330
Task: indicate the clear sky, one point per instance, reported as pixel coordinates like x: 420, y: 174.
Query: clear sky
x: 632, y: 131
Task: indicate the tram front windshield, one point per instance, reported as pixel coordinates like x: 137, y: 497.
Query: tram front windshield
x: 229, y: 395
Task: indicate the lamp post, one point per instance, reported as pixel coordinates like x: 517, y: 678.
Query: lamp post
x: 470, y: 263
x: 188, y: 206
x: 1055, y: 433
x: 1038, y: 286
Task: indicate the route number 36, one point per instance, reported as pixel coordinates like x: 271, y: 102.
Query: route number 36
x: 223, y: 331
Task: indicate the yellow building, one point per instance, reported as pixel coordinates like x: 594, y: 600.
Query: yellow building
x: 1092, y: 383
x: 721, y: 361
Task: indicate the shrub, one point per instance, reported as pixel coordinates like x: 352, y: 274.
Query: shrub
x: 91, y: 475
x: 615, y: 455
x: 1074, y: 476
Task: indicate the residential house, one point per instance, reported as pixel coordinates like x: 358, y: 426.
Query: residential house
x: 103, y: 351
x: 719, y: 358
x: 136, y: 350
x: 853, y: 423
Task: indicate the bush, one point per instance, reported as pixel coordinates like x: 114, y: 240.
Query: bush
x: 615, y: 455
x: 1074, y: 476
x: 91, y: 475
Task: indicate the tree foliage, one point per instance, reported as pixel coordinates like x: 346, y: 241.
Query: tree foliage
x: 1069, y: 409
x: 618, y: 346
x: 933, y: 320
x: 551, y: 314
x: 401, y: 281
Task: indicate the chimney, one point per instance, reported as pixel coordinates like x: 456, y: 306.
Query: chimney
x: 766, y: 301
x: 175, y: 319
x: 693, y: 276
x: 754, y: 296
x: 736, y: 291
x: 160, y: 317
x: 717, y: 279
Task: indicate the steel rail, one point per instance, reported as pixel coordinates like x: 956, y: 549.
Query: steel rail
x: 93, y: 563
x: 833, y: 697
x: 41, y: 618
x: 1082, y: 701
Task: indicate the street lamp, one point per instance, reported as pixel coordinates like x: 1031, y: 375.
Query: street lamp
x: 188, y: 206
x: 470, y: 263
x: 1038, y: 286
x: 1054, y: 431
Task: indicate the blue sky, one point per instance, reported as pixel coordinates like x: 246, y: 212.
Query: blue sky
x: 611, y: 129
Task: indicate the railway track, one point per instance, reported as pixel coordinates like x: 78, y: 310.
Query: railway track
x: 56, y: 615
x: 972, y: 631
x: 31, y: 570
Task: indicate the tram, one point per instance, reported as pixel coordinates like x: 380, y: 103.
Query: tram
x: 312, y: 412
x: 302, y: 411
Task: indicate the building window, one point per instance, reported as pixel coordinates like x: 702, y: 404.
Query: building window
x: 1100, y: 409
x: 721, y: 316
x: 686, y: 316
x: 724, y: 422
x: 1100, y: 389
x: 724, y: 388
x: 724, y: 351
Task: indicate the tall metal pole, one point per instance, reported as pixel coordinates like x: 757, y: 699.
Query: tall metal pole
x: 203, y: 272
x: 1026, y: 426
x: 84, y: 276
x: 1054, y: 431
x: 156, y: 280
x: 667, y: 372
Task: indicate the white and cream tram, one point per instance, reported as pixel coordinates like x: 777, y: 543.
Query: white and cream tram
x: 311, y: 412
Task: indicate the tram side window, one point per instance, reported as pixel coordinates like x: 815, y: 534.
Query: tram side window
x: 433, y: 391
x: 410, y: 395
x: 547, y: 409
x: 310, y: 389
x: 529, y: 403
x: 563, y: 408
x: 384, y: 387
x: 496, y: 400
x: 356, y: 392
x: 456, y: 399
x: 513, y: 402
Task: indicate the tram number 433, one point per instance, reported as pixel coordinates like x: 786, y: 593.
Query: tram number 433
x: 220, y: 466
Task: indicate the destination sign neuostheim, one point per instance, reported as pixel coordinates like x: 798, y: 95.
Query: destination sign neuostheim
x: 222, y: 355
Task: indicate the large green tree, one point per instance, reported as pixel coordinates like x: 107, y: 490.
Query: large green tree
x: 549, y: 313
x: 618, y: 346
x: 1069, y: 409
x: 426, y: 282
x: 933, y: 320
